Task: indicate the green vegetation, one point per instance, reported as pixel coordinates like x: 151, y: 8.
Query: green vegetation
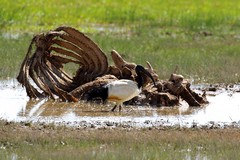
x: 200, y: 37
x: 31, y: 141
x: 12, y: 52
x: 203, y: 59
x: 23, y: 15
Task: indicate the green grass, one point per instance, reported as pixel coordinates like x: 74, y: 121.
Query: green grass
x: 200, y: 37
x: 209, y: 59
x: 23, y: 15
x: 204, y: 59
x: 51, y: 142
x: 12, y: 52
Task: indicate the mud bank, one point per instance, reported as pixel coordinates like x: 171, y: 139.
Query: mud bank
x: 223, y: 110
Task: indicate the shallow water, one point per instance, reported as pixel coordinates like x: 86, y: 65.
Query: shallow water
x: 223, y: 110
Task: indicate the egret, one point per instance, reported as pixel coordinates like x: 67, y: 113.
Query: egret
x: 122, y: 90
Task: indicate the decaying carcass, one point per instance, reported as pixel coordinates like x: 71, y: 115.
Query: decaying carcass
x: 43, y: 71
x: 122, y: 90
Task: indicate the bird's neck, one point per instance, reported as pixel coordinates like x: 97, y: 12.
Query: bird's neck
x: 139, y: 80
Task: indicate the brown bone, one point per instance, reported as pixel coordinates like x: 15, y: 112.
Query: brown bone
x: 48, y: 54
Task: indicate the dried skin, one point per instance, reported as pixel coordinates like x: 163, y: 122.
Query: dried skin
x: 120, y: 62
x: 82, y: 91
x: 43, y: 75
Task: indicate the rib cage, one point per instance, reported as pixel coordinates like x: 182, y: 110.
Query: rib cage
x: 43, y: 75
x: 44, y: 65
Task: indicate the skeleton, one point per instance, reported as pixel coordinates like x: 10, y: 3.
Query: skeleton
x: 43, y: 74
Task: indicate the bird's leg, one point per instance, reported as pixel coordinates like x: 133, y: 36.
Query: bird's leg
x: 120, y: 107
x: 114, y: 108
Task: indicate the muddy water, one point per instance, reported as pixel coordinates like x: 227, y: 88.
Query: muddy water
x: 222, y: 111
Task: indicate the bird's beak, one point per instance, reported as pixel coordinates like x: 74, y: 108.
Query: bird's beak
x: 149, y: 75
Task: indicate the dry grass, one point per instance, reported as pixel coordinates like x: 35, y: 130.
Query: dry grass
x: 38, y: 141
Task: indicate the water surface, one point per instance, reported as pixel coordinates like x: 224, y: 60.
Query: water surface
x: 223, y: 110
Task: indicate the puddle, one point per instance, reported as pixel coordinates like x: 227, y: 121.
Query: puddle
x: 222, y: 111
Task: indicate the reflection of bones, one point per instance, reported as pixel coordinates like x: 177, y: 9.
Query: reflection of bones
x: 36, y: 109
x: 44, y: 66
x: 18, y: 108
x: 46, y: 107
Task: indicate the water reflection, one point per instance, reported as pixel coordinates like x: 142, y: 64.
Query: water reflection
x: 16, y: 106
x: 48, y: 108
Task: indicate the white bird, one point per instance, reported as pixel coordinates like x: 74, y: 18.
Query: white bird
x: 122, y: 90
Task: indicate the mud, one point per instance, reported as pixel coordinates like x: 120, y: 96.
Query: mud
x: 223, y: 110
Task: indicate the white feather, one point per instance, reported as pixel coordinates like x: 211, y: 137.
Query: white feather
x: 122, y: 90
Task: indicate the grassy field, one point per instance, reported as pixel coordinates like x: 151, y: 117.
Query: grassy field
x: 202, y: 59
x: 24, y: 141
x: 22, y: 15
x: 202, y: 38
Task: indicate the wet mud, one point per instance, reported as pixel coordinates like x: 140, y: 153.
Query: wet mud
x: 223, y: 110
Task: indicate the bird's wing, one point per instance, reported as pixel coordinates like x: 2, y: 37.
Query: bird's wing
x: 122, y: 90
